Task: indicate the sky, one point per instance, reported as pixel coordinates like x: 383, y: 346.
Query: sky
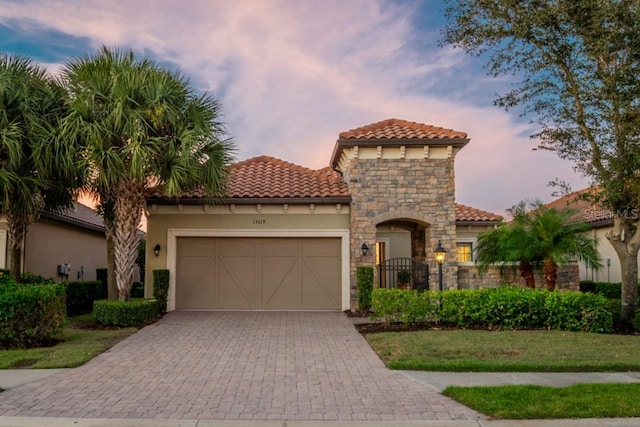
x: 292, y: 74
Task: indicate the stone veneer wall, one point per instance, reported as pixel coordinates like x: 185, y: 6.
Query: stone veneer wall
x: 419, y: 191
x: 469, y: 277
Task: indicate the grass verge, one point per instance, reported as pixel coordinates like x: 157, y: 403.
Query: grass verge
x: 506, y: 351
x: 537, y: 402
x: 78, y: 344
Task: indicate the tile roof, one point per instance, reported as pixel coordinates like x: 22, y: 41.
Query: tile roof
x: 586, y: 210
x: 266, y: 177
x: 469, y: 214
x: 79, y: 215
x: 392, y: 129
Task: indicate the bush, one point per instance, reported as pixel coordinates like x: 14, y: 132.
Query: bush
x: 161, y: 288
x: 135, y: 312
x: 395, y: 305
x: 81, y: 295
x: 101, y: 276
x: 606, y: 289
x: 30, y: 315
x: 34, y: 279
x: 365, y: 287
x: 505, y: 307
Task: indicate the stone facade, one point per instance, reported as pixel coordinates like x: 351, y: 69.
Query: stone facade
x: 417, y: 194
x: 469, y: 277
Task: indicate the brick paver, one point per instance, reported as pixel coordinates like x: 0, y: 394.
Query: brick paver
x: 236, y: 366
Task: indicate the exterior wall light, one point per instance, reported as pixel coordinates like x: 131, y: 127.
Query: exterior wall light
x: 156, y: 249
x: 365, y: 249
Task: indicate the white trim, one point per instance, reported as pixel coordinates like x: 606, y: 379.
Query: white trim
x: 174, y: 233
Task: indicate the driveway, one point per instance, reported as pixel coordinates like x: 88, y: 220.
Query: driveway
x: 236, y: 365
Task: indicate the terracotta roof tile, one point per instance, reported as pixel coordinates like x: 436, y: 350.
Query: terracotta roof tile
x: 586, y: 210
x: 400, y: 129
x: 268, y: 177
x: 469, y: 214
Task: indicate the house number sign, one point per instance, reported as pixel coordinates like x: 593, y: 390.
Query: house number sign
x: 259, y: 221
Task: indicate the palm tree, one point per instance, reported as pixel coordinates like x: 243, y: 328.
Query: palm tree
x: 538, y: 236
x: 36, y: 172
x: 141, y: 125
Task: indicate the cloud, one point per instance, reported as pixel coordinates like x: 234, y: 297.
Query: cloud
x: 292, y: 74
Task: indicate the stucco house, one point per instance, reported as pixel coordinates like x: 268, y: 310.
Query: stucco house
x: 74, y: 239
x: 289, y: 237
x: 600, y: 222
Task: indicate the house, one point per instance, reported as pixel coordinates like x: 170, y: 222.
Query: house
x: 65, y: 245
x: 600, y: 223
x: 289, y: 237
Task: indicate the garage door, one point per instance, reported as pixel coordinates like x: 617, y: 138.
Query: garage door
x: 258, y: 273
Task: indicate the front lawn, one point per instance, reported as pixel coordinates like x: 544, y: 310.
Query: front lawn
x: 78, y: 344
x: 507, y: 351
x: 536, y: 402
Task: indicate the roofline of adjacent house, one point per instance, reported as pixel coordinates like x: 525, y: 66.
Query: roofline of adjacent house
x: 352, y: 142
x: 485, y: 223
x: 72, y: 221
x: 253, y: 201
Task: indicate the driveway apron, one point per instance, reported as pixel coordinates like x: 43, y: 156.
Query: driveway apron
x: 236, y: 365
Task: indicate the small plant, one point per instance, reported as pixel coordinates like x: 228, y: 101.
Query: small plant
x: 161, y: 288
x: 81, y: 295
x: 365, y: 287
x: 404, y: 279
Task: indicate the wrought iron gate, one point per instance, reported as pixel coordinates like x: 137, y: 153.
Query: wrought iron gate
x: 403, y: 273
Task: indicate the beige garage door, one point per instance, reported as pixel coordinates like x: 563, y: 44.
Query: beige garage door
x: 258, y: 273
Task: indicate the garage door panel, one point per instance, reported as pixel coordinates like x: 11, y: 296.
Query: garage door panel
x: 195, y: 290
x: 319, y: 285
x: 280, y: 282
x: 236, y: 282
x: 258, y: 273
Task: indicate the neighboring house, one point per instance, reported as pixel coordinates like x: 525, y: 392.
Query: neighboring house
x: 600, y: 221
x: 67, y: 245
x: 289, y: 237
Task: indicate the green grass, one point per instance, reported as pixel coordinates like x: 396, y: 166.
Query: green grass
x: 536, y: 402
x: 506, y: 351
x: 78, y: 346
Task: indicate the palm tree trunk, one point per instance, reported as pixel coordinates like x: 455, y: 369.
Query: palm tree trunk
x: 550, y: 274
x: 526, y: 271
x: 17, y: 233
x: 112, y: 287
x: 127, y: 215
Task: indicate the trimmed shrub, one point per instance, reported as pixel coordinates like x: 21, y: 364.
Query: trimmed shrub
x: 101, y: 275
x: 161, y: 289
x: 505, y: 307
x: 135, y: 312
x: 395, y: 305
x: 606, y: 289
x: 365, y: 287
x: 81, y: 295
x: 34, y: 279
x: 30, y: 314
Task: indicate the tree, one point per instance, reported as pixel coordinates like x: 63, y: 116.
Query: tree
x: 37, y: 172
x: 538, y: 236
x: 141, y: 125
x: 578, y: 66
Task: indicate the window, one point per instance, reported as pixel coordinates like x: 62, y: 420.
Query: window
x: 464, y: 252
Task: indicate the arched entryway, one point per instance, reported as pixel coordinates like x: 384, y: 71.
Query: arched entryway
x: 401, y: 256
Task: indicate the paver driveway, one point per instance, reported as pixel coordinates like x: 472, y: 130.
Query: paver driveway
x: 236, y: 365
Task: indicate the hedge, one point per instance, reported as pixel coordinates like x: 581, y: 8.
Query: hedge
x: 30, y: 315
x: 606, y: 289
x: 81, y: 295
x: 135, y: 312
x: 365, y: 287
x: 505, y: 307
x: 161, y: 288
